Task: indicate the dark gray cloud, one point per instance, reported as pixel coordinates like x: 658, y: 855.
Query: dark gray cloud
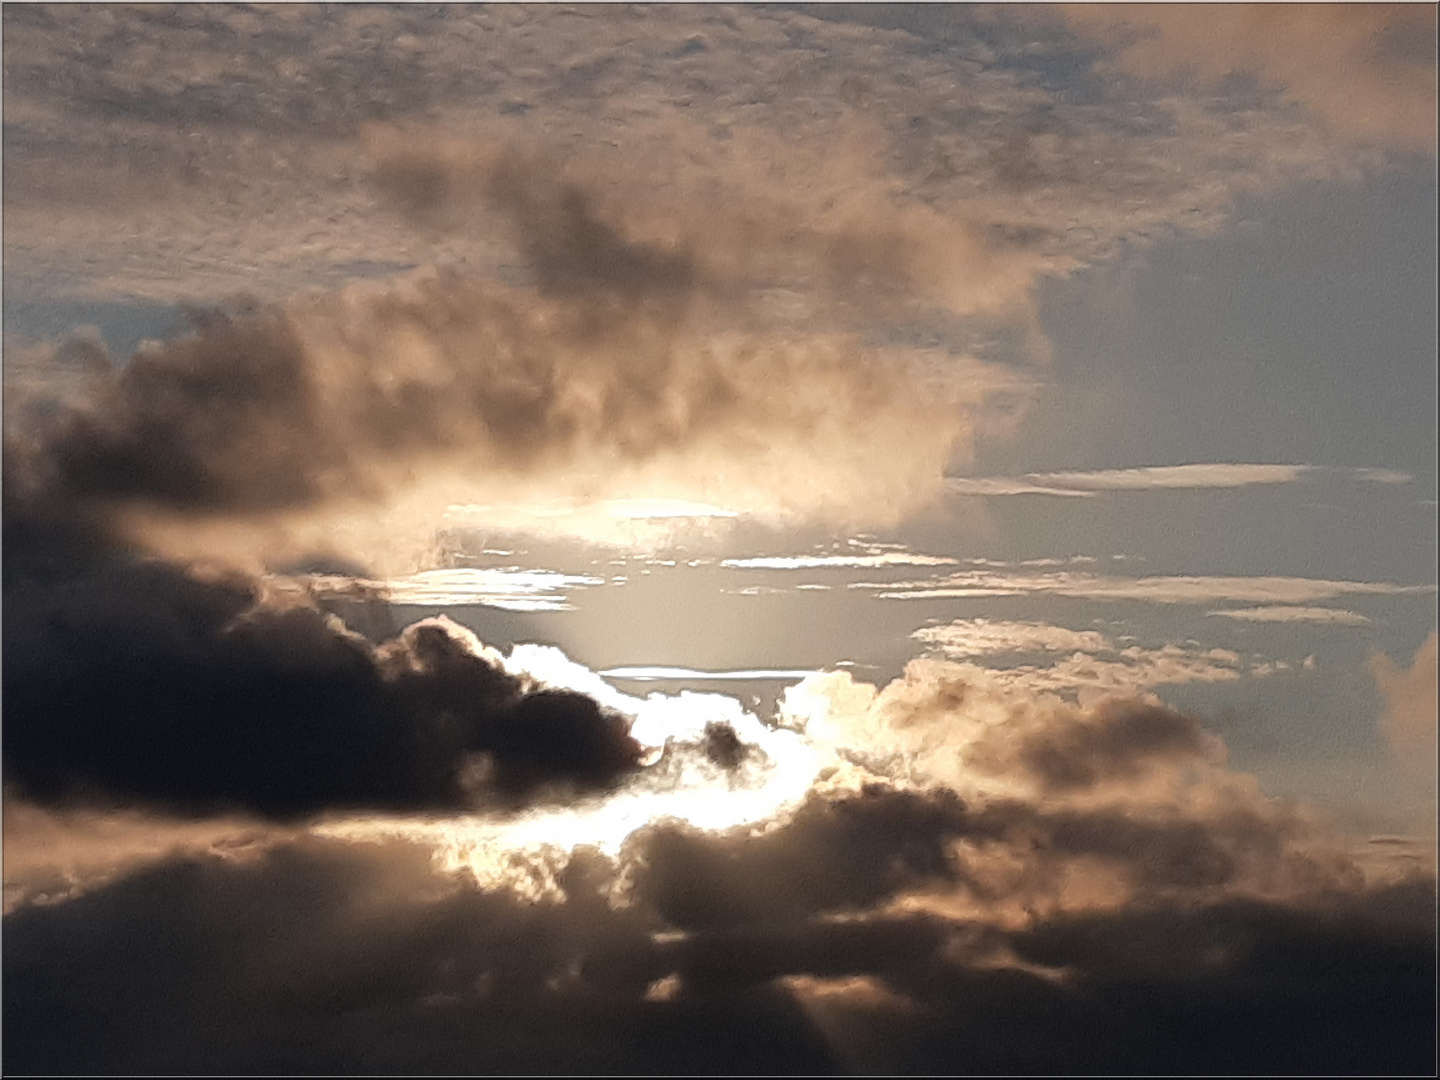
x: 846, y: 854
x: 1119, y: 741
x: 336, y: 958
x: 131, y: 679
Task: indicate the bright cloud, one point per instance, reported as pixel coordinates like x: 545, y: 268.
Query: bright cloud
x: 508, y: 588
x: 680, y: 674
x: 822, y: 562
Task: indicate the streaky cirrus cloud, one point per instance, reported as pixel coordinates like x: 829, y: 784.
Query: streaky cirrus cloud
x: 1093, y: 665
x: 642, y: 673
x: 985, y: 637
x: 508, y: 588
x: 1383, y: 476
x: 1159, y: 590
x: 1291, y: 613
x: 825, y: 562
x: 1157, y: 478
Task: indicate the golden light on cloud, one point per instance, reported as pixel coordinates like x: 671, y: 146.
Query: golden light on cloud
x: 652, y: 345
x: 709, y: 765
x: 1408, y: 722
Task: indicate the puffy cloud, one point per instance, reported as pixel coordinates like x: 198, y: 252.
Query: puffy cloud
x: 387, y: 967
x: 1408, y: 722
x: 519, y: 868
x: 56, y: 855
x: 445, y: 391
x: 637, y: 362
x: 968, y: 838
x: 961, y: 723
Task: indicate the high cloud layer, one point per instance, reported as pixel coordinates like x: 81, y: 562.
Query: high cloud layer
x: 197, y: 169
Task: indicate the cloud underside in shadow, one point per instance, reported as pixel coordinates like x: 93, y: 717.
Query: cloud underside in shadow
x: 132, y: 679
x: 1093, y: 867
x: 341, y: 959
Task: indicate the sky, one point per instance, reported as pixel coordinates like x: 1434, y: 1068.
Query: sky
x: 719, y: 539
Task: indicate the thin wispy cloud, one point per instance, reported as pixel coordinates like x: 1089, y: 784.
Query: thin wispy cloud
x: 641, y: 673
x: 1159, y: 590
x: 506, y: 588
x: 1084, y: 662
x: 1284, y: 613
x: 1160, y: 478
x: 1383, y: 476
x: 967, y: 638
x: 824, y: 562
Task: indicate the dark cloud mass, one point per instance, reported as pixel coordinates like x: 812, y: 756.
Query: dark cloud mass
x: 323, y: 957
x: 135, y: 679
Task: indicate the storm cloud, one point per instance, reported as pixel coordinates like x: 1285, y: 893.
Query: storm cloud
x: 330, y: 957
x: 135, y: 680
